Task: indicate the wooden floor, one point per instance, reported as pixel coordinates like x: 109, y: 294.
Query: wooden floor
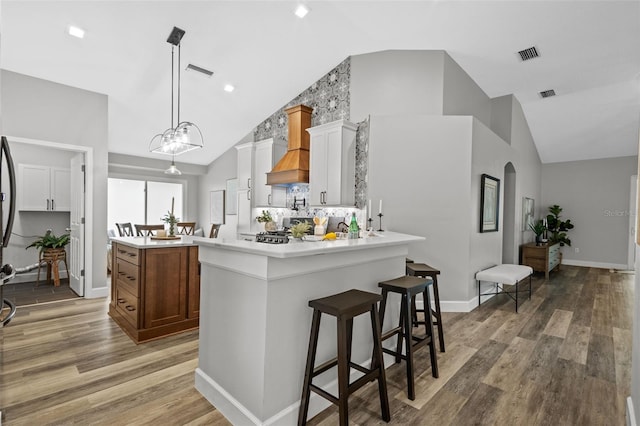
x: 565, y: 359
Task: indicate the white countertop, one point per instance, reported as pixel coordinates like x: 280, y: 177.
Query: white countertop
x: 308, y: 248
x: 147, y: 242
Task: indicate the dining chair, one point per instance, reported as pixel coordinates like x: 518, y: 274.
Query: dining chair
x: 148, y: 230
x: 125, y: 229
x: 214, y: 230
x: 186, y: 228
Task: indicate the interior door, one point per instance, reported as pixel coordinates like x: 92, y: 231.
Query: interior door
x: 633, y: 211
x: 76, y: 246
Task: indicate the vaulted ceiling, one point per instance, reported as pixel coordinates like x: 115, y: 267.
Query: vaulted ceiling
x: 590, y: 56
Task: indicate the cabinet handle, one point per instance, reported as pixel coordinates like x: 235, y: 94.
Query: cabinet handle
x: 121, y: 273
x: 52, y: 205
x: 121, y: 301
x: 249, y: 183
x: 269, y: 199
x: 130, y: 278
x: 47, y: 204
x: 249, y: 195
x: 130, y: 308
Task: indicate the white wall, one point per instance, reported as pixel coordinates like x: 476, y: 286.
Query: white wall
x: 396, y: 82
x: 594, y: 194
x: 419, y: 165
x: 461, y: 95
x: 38, y: 109
x: 218, y: 172
x: 30, y: 225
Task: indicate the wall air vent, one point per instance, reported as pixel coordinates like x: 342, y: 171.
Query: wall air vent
x: 547, y: 93
x: 201, y: 70
x: 529, y: 53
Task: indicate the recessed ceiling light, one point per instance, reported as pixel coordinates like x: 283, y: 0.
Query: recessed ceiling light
x: 301, y: 11
x: 75, y: 31
x: 228, y: 88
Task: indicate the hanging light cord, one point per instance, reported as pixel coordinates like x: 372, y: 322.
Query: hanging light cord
x: 172, y: 83
x: 179, y: 50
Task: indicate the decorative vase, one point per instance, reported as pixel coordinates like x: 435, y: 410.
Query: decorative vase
x: 538, y: 240
x: 319, y: 230
x: 270, y: 226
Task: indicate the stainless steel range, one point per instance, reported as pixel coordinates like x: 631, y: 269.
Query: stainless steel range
x: 272, y: 237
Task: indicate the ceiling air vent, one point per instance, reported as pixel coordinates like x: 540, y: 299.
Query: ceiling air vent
x: 204, y: 71
x: 529, y: 53
x: 548, y: 93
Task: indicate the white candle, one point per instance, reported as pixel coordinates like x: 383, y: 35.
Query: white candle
x: 172, y: 200
x: 369, y: 211
x: 380, y: 208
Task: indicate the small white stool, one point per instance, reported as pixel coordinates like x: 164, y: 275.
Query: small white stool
x: 504, y: 274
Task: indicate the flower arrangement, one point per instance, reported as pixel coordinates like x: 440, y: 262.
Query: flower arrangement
x: 264, y: 217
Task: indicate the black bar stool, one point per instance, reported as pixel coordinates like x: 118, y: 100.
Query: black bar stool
x: 408, y: 287
x: 344, y: 306
x: 424, y: 270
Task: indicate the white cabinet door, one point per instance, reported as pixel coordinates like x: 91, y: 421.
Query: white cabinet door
x: 267, y: 153
x: 33, y: 187
x: 245, y: 165
x: 60, y: 190
x: 244, y: 211
x: 332, y: 164
x: 317, y: 169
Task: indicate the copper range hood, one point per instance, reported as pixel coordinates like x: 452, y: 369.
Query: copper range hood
x: 293, y: 167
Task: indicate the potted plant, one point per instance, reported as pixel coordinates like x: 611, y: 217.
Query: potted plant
x: 265, y: 217
x: 557, y: 227
x: 52, y: 250
x: 50, y: 242
x: 538, y: 228
x: 171, y: 220
x: 300, y: 229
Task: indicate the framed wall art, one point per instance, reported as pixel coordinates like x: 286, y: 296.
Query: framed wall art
x: 217, y: 206
x: 489, y: 203
x: 232, y: 196
x: 527, y: 213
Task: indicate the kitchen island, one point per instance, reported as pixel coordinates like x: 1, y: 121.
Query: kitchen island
x: 155, y: 286
x: 255, y: 318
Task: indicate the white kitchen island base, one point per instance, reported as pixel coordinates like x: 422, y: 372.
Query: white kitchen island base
x: 255, y: 318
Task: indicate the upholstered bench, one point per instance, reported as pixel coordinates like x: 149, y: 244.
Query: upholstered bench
x: 504, y: 274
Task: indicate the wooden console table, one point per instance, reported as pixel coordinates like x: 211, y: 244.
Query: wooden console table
x: 543, y: 258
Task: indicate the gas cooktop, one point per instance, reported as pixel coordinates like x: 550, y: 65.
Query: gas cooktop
x: 272, y: 237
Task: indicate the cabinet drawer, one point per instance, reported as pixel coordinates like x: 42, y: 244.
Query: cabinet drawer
x: 128, y: 305
x: 536, y: 264
x: 127, y: 276
x: 128, y: 253
x: 536, y: 253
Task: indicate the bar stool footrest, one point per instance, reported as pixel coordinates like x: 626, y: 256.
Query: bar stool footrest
x: 324, y: 367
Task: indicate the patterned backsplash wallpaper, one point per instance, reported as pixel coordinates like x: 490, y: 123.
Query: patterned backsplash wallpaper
x: 330, y: 99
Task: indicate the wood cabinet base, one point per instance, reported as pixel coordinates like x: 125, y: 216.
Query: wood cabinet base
x: 145, y: 335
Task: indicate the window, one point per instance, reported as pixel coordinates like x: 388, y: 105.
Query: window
x: 141, y: 202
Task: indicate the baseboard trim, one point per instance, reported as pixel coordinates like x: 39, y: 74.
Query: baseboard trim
x: 589, y: 264
x: 631, y: 415
x: 237, y: 413
x: 33, y: 276
x: 457, y: 305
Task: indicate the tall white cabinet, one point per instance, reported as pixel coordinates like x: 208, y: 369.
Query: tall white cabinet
x: 43, y: 188
x: 266, y: 155
x: 332, y: 164
x: 255, y: 159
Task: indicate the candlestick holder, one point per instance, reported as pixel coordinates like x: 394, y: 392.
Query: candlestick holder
x: 380, y: 216
x: 369, y: 221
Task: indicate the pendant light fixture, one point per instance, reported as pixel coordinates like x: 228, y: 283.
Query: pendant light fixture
x: 184, y: 136
x: 173, y: 170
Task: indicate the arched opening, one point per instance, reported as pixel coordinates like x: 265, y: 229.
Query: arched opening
x: 509, y: 252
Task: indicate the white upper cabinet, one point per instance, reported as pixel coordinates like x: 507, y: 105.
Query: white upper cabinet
x: 332, y: 164
x: 267, y: 153
x: 245, y: 165
x: 43, y: 188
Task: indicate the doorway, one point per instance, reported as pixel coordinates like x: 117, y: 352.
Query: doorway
x: 80, y: 210
x: 509, y: 249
